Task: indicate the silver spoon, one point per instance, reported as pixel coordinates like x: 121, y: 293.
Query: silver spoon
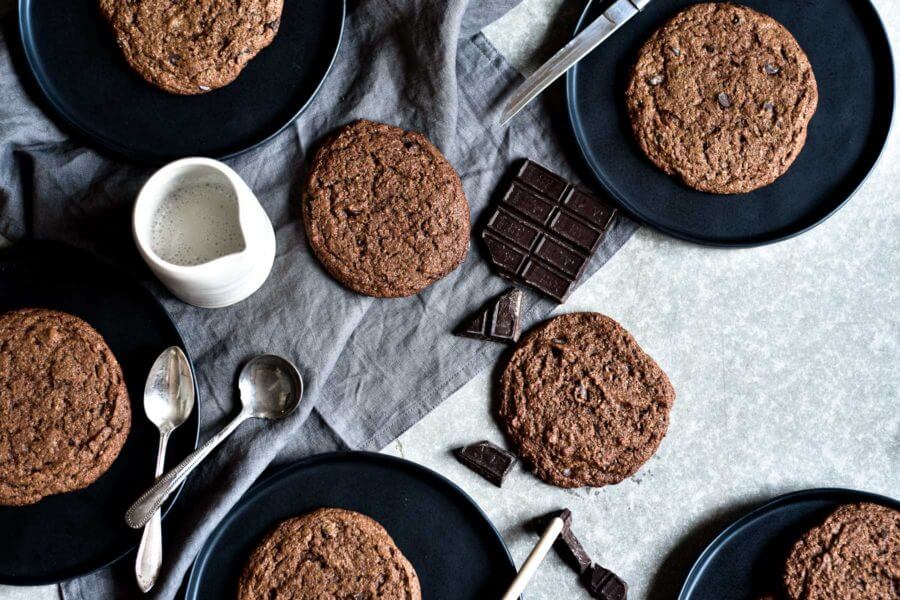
x: 270, y: 386
x: 168, y: 401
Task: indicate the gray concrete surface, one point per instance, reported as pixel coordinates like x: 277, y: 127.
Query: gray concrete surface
x: 784, y: 358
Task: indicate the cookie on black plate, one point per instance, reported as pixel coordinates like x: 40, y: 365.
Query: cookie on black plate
x: 853, y: 555
x: 721, y: 96
x: 64, y: 407
x: 192, y: 47
x: 329, y: 553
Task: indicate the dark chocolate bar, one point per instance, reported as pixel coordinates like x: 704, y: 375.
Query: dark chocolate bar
x: 488, y: 460
x: 499, y: 321
x: 545, y: 231
x: 606, y: 585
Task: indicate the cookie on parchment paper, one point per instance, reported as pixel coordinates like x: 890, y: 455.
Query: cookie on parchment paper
x: 584, y: 404
x: 384, y: 211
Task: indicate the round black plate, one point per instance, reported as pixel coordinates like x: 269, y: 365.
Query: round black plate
x: 87, y: 83
x: 73, y: 534
x: 849, y: 51
x: 747, y: 559
x: 455, y: 550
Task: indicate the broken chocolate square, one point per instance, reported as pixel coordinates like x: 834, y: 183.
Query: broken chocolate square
x: 545, y: 231
x: 606, y: 585
x: 499, y: 321
x: 488, y: 460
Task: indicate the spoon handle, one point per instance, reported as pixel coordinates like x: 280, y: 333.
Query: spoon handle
x: 149, y: 554
x: 144, y: 507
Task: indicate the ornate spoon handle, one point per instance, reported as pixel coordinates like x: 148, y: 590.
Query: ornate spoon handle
x: 144, y: 507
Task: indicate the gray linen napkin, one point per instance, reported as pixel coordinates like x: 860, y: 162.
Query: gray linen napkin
x: 372, y: 367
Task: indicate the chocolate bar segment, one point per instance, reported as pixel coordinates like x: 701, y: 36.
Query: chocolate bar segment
x: 505, y: 256
x: 569, y: 548
x: 606, y: 585
x: 488, y: 460
x: 567, y: 545
x: 545, y: 231
x: 543, y: 180
x: 499, y: 321
x: 600, y: 582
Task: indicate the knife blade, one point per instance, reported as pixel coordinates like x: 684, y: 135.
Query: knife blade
x: 581, y: 45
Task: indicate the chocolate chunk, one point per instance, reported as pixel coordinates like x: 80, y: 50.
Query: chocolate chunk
x: 724, y: 100
x: 769, y: 106
x: 488, y: 460
x: 499, y: 321
x: 545, y: 231
x: 606, y: 585
x: 771, y: 69
x: 567, y: 545
x: 571, y: 550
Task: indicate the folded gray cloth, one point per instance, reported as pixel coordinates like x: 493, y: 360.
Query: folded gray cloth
x: 372, y: 367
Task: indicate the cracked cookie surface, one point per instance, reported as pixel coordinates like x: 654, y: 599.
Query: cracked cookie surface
x: 384, y: 211
x: 329, y: 554
x: 64, y: 408
x: 853, y: 555
x: 721, y: 96
x: 192, y: 47
x: 584, y: 404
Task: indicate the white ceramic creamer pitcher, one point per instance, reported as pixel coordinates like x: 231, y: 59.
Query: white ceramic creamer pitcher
x: 229, y: 269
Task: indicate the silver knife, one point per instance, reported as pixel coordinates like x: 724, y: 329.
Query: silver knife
x: 592, y: 36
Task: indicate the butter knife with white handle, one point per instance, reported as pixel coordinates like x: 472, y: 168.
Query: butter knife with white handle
x: 592, y: 36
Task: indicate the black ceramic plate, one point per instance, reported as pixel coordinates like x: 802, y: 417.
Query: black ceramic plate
x: 72, y: 534
x: 455, y: 550
x: 88, y: 85
x: 747, y: 559
x: 849, y: 51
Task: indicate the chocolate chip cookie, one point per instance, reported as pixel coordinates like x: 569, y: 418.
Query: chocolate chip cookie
x: 192, y: 47
x: 64, y: 408
x: 384, y: 211
x: 721, y: 96
x: 583, y: 402
x: 329, y: 554
x: 853, y: 555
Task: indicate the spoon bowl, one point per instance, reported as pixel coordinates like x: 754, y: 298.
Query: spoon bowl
x: 270, y: 386
x: 169, y: 392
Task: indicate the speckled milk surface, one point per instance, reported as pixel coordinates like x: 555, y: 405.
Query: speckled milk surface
x: 784, y: 359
